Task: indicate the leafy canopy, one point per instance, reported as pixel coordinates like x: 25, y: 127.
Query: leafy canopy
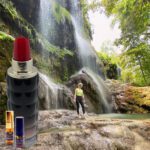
x: 134, y: 19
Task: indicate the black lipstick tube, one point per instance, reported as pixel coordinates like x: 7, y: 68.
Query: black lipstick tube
x: 22, y: 89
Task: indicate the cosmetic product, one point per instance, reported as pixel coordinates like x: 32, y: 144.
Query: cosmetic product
x: 9, y: 127
x: 19, y: 132
x: 22, y: 88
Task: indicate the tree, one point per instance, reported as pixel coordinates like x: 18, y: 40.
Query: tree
x: 110, y: 64
x: 133, y: 16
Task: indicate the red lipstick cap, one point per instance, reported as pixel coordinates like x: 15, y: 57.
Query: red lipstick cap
x: 21, y: 49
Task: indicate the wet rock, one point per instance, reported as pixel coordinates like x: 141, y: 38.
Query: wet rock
x: 93, y: 133
x: 3, y: 102
x: 129, y: 99
x: 97, y: 96
x: 29, y: 9
x: 53, y: 96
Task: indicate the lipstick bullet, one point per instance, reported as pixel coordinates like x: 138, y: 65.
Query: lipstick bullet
x: 22, y: 88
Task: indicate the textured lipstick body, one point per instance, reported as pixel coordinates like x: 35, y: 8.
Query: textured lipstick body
x: 22, y: 88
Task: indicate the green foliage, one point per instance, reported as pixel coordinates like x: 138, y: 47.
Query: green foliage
x: 9, y: 6
x: 94, y: 5
x: 60, y: 53
x: 9, y: 13
x: 136, y: 61
x: 4, y: 28
x: 6, y: 43
x: 4, y: 36
x: 127, y: 75
x: 10, y: 16
x: 138, y: 99
x: 29, y: 31
x: 60, y: 13
x: 110, y: 65
x: 133, y: 16
x: 87, y: 25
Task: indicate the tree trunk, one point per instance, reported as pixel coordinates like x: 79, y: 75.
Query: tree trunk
x: 142, y: 69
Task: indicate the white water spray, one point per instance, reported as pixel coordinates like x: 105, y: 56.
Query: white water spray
x: 45, y: 17
x: 101, y: 88
x: 51, y: 92
x: 87, y: 54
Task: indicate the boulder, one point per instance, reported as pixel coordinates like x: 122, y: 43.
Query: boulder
x: 97, y: 96
x: 128, y: 98
x: 52, y: 95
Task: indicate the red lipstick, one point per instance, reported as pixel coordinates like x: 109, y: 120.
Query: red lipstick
x: 21, y: 50
x: 22, y: 88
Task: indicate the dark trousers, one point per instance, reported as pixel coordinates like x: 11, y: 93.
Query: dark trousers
x: 79, y: 100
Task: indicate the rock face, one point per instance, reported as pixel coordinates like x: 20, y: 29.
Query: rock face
x: 19, y: 18
x: 16, y: 21
x: 129, y: 99
x: 63, y: 35
x: 53, y: 96
x: 5, y: 54
x: 97, y: 97
x: 3, y: 102
x: 62, y: 130
x: 29, y: 9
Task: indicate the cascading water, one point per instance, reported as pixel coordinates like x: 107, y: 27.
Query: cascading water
x: 52, y: 95
x: 87, y: 54
x: 101, y: 88
x: 51, y: 89
x: 45, y: 17
x: 51, y: 92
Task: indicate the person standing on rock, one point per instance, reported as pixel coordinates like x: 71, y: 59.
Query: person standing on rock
x: 79, y: 99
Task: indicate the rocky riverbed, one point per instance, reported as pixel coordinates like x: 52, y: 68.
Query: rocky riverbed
x: 128, y: 98
x: 63, y: 130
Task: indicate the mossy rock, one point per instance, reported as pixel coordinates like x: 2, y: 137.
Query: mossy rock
x: 14, y: 20
x: 138, y: 98
x: 60, y: 13
x: 6, y: 46
x: 3, y: 102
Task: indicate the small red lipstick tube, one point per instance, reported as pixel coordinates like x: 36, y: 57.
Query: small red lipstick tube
x: 22, y: 88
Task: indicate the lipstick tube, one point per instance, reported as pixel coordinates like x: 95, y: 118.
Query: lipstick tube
x: 9, y: 127
x: 22, y: 88
x: 19, y: 130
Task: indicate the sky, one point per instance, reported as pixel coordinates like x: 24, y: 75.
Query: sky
x: 102, y: 29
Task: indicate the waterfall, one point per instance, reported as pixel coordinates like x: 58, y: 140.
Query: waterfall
x: 51, y: 90
x: 53, y: 95
x: 45, y: 17
x: 87, y: 54
x: 101, y: 88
